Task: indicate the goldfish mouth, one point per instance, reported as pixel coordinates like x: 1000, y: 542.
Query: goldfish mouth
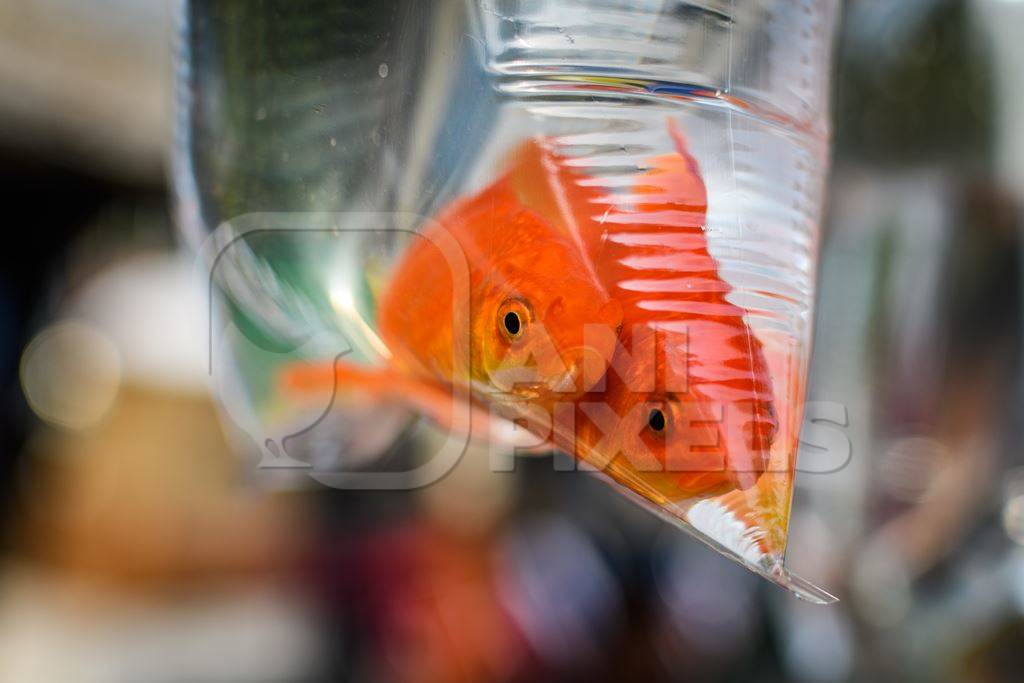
x: 584, y: 366
x: 524, y: 391
x: 563, y: 384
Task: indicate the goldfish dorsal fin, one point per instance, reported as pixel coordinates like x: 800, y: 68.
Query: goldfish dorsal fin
x: 545, y: 184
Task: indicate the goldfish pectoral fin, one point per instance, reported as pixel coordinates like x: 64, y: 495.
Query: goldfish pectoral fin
x: 346, y: 403
x: 311, y: 380
x: 306, y: 378
x: 449, y: 407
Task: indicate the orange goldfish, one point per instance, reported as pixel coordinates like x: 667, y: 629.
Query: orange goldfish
x: 687, y: 407
x: 491, y: 299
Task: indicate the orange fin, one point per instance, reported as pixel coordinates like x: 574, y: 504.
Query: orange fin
x: 443, y: 404
x: 544, y: 183
x: 673, y: 182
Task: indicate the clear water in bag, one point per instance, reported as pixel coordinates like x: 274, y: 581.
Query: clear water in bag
x: 317, y: 139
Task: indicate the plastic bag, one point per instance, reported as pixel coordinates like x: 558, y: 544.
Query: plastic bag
x: 513, y: 217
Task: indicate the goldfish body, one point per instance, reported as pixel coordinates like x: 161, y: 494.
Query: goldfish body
x: 492, y: 299
x: 687, y: 407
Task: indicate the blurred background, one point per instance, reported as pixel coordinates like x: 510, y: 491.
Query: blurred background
x: 141, y: 543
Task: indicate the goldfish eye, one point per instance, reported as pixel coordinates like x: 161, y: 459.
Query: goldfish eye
x: 656, y: 420
x: 513, y: 317
x: 513, y: 325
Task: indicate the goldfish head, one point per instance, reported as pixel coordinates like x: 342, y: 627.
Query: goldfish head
x: 544, y: 329
x: 678, y: 437
x: 695, y: 447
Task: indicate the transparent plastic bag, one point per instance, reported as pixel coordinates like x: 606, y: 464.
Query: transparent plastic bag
x: 522, y: 213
